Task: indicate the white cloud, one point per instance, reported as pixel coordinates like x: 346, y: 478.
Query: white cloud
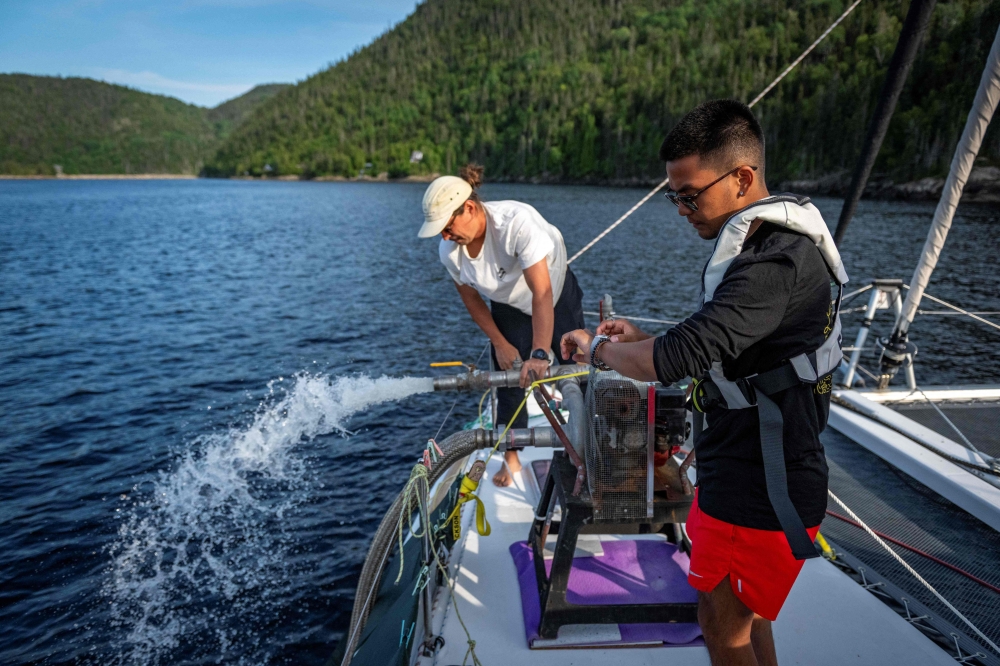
x: 191, y: 91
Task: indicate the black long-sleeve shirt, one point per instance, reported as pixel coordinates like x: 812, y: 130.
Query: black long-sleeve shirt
x: 772, y: 304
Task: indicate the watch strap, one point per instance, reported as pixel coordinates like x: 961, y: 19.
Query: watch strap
x: 544, y: 355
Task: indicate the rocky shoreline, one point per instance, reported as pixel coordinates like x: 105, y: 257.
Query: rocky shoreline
x: 983, y: 187
x: 104, y: 176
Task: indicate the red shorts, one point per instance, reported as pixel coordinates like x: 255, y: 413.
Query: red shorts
x: 759, y: 563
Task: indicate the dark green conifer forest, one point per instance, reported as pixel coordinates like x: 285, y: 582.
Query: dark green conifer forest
x: 91, y: 127
x: 560, y: 90
x: 584, y: 90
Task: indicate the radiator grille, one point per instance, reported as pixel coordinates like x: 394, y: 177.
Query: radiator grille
x: 616, y: 448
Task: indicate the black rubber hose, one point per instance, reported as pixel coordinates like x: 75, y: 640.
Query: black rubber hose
x: 455, y: 447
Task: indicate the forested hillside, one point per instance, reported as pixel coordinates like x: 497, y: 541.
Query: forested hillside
x: 87, y: 126
x: 585, y: 89
x: 231, y: 113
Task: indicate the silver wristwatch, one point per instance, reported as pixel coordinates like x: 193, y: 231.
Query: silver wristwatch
x: 595, y: 347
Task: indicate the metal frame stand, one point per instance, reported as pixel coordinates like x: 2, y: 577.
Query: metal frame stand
x: 577, y: 518
x: 884, y: 294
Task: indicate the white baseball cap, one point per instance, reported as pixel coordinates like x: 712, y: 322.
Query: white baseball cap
x: 443, y: 197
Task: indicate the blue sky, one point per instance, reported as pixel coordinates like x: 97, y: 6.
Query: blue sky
x: 200, y: 51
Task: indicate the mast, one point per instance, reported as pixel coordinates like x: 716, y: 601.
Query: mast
x: 968, y: 146
x: 914, y: 27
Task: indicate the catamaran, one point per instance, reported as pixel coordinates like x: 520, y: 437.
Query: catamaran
x: 584, y: 558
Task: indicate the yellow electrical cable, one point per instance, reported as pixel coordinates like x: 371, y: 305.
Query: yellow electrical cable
x: 447, y: 364
x: 527, y: 393
x: 694, y: 394
x: 825, y: 547
x: 467, y: 494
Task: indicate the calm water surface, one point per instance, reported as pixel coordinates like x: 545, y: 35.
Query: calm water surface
x: 191, y: 459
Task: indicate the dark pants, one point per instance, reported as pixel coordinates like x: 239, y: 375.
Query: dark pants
x: 516, y: 327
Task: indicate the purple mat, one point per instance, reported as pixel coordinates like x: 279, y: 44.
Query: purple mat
x: 632, y: 572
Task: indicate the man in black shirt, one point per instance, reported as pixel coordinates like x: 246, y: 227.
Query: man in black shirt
x: 766, y: 300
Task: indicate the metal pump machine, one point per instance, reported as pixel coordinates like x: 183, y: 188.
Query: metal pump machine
x: 615, y: 474
x: 631, y: 427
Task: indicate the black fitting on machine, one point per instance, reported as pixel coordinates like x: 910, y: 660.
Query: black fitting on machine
x: 671, y: 424
x: 897, y: 351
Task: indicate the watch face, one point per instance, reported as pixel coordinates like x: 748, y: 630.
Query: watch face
x: 540, y: 354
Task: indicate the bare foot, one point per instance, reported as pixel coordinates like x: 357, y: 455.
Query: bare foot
x: 511, y: 465
x: 502, y: 478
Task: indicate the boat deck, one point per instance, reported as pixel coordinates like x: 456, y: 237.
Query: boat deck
x: 828, y: 619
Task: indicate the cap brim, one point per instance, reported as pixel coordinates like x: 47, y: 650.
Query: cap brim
x: 432, y: 228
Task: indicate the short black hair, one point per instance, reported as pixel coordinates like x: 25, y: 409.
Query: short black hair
x: 721, y: 131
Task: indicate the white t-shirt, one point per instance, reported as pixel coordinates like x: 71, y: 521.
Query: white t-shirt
x: 517, y: 237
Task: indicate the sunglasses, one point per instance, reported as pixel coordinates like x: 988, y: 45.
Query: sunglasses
x: 451, y: 223
x: 689, y: 199
x: 452, y: 220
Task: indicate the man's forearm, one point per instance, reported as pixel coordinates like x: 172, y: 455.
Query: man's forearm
x: 543, y: 318
x: 632, y: 359
x: 482, y: 317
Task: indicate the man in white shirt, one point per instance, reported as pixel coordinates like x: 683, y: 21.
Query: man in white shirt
x: 507, y: 253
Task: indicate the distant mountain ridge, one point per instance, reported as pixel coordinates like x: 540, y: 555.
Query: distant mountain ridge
x: 584, y: 90
x: 236, y: 110
x: 91, y: 127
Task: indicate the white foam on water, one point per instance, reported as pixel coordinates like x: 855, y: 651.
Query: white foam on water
x: 202, y: 557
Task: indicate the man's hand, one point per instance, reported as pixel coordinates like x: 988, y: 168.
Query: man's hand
x: 621, y: 330
x: 506, y: 355
x: 535, y: 365
x: 577, y: 344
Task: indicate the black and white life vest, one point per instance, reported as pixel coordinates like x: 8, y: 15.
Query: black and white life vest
x: 799, y: 215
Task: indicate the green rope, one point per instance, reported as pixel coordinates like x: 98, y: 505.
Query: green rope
x: 417, y: 490
x: 413, y: 491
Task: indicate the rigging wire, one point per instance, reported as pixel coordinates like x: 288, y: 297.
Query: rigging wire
x: 756, y: 99
x: 652, y: 321
x: 805, y: 53
x: 922, y: 553
x: 856, y: 292
x: 945, y: 312
x: 961, y: 311
x: 913, y: 571
x: 617, y: 222
x: 455, y: 402
x: 949, y: 422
